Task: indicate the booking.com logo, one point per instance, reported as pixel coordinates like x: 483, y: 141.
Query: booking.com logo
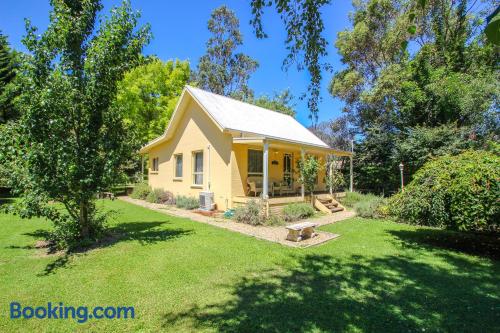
x: 60, y: 311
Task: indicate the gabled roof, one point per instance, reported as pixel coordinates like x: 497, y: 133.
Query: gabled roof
x: 235, y: 116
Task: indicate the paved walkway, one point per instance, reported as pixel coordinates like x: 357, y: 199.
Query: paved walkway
x: 273, y: 234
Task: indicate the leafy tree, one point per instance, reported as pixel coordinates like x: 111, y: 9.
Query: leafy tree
x: 305, y: 42
x: 280, y: 102
x: 406, y: 100
x: 221, y: 70
x: 8, y: 64
x: 309, y: 168
x: 148, y: 94
x: 334, y: 179
x: 75, y: 140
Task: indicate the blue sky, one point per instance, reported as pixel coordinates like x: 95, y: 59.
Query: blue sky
x: 179, y: 31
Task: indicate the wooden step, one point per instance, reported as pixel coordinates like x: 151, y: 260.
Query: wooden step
x: 337, y: 209
x: 331, y: 204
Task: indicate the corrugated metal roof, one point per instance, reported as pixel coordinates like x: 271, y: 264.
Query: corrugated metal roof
x: 235, y: 115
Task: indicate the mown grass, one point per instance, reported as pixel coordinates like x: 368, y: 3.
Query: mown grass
x: 185, y: 276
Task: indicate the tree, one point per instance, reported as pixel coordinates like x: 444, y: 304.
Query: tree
x: 148, y: 94
x: 71, y: 137
x: 305, y: 42
x: 7, y: 75
x: 309, y: 168
x: 396, y: 97
x: 280, y: 102
x: 221, y: 70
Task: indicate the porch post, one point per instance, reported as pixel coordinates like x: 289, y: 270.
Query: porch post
x: 302, y: 188
x: 330, y: 158
x: 351, y: 175
x: 265, y: 169
x: 142, y: 167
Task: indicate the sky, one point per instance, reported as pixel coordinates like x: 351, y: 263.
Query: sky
x: 180, y: 32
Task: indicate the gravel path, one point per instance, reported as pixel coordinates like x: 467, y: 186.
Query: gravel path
x: 273, y: 234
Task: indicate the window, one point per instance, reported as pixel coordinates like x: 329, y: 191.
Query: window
x: 255, y: 159
x: 198, y: 168
x: 178, y: 166
x: 155, y: 164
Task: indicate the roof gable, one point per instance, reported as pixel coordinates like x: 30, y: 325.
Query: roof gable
x: 233, y: 115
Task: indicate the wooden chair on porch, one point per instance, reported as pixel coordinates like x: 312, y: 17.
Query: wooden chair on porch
x: 255, y: 184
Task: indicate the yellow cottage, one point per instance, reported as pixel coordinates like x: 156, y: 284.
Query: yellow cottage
x: 226, y: 152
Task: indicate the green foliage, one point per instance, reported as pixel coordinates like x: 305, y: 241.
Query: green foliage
x: 186, y: 202
x: 221, y: 70
x: 439, y: 99
x: 154, y: 196
x: 280, y: 102
x: 251, y: 213
x: 351, y: 198
x: 304, y: 42
x: 141, y: 191
x: 334, y: 179
x: 371, y: 207
x: 8, y: 86
x: 297, y: 211
x: 148, y: 94
x: 275, y: 221
x: 308, y: 172
x: 455, y: 192
x: 77, y: 140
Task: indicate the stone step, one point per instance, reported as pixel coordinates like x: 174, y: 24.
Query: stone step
x: 337, y: 209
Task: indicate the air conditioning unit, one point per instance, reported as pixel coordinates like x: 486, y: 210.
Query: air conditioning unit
x: 207, y: 200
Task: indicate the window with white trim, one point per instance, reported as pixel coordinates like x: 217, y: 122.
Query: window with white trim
x: 178, y: 166
x: 255, y: 162
x: 198, y: 168
x: 155, y: 164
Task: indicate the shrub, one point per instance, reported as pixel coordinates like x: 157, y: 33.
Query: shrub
x: 297, y: 211
x: 141, y: 191
x: 252, y: 213
x: 187, y: 202
x: 154, y: 196
x: 455, y: 192
x: 373, y: 207
x: 275, y: 220
x: 351, y: 198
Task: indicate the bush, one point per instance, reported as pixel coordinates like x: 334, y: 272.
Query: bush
x: 297, y: 211
x: 351, y: 198
x: 252, y: 213
x: 454, y: 192
x: 275, y: 220
x: 154, y: 196
x: 373, y: 207
x: 187, y: 202
x: 141, y: 191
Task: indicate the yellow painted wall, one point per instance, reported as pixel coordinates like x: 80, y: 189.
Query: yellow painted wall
x: 195, y: 132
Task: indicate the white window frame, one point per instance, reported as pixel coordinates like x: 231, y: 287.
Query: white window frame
x: 176, y: 156
x: 254, y: 174
x: 155, y: 164
x: 193, y: 169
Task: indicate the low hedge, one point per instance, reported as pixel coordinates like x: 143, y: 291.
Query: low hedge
x: 455, y: 192
x: 141, y: 191
x: 185, y: 202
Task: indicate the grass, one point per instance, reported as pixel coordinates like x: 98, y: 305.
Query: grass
x: 184, y: 276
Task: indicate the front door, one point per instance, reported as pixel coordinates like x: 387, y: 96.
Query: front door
x: 287, y: 170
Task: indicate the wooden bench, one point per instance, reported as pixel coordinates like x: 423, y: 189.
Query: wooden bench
x: 300, y: 231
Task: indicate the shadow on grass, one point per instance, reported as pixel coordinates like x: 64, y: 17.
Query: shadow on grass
x: 470, y: 243
x: 6, y: 201
x: 143, y: 232
x: 358, y: 293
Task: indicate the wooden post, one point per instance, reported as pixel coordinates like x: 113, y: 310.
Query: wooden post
x: 302, y: 189
x: 331, y: 171
x: 142, y: 168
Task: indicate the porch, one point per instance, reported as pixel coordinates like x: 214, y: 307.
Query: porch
x: 263, y: 168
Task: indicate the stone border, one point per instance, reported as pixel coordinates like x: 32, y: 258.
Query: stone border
x: 268, y: 233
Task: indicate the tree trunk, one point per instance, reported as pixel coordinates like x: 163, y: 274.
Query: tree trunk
x: 84, y: 219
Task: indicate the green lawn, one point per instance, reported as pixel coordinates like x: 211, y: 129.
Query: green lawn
x: 184, y: 276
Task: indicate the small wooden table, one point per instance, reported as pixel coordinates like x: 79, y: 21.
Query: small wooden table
x: 300, y: 231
